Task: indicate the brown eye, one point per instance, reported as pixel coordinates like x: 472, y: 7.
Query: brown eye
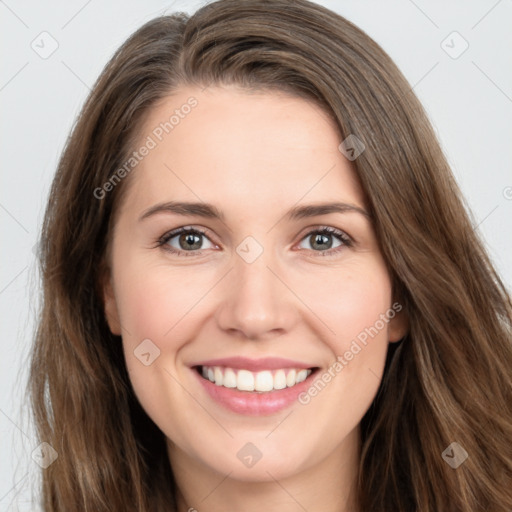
x: 326, y: 239
x: 185, y: 240
x: 189, y: 241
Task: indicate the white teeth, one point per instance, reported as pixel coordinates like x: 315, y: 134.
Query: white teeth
x: 301, y: 376
x: 263, y: 381
x: 229, y: 378
x: 217, y: 372
x: 290, y: 378
x: 280, y: 379
x: 245, y: 380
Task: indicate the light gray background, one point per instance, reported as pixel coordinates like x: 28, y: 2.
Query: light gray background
x: 468, y: 99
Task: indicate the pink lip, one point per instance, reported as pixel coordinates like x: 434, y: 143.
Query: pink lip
x: 254, y: 365
x: 253, y: 403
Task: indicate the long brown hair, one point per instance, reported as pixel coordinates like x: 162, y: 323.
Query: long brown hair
x: 449, y: 380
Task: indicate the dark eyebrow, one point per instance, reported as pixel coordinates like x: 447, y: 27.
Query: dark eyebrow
x: 209, y: 211
x: 182, y: 208
x: 312, y: 210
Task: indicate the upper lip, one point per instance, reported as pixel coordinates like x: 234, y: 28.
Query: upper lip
x: 255, y: 365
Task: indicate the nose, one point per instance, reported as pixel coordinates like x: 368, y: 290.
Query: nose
x: 256, y: 303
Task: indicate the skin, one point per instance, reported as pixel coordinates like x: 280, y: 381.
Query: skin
x: 254, y: 156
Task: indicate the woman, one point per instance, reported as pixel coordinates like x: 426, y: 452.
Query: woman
x: 335, y: 337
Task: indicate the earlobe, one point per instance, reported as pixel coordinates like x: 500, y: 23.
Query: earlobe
x: 110, y: 307
x: 398, y: 327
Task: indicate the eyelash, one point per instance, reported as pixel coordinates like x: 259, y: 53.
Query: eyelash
x: 324, y: 230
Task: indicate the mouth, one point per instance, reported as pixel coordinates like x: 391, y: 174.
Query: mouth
x: 254, y: 387
x: 264, y: 381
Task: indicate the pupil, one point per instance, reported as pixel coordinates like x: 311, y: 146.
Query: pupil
x: 322, y: 239
x: 188, y: 241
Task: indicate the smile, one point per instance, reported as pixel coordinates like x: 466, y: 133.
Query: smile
x: 262, y: 381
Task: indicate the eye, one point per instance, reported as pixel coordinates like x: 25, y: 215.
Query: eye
x: 321, y: 240
x: 185, y: 240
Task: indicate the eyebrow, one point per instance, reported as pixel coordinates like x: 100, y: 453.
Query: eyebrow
x: 210, y: 211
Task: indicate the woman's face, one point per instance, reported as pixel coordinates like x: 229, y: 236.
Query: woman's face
x: 255, y: 296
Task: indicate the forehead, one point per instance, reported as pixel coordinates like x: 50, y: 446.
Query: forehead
x: 239, y: 148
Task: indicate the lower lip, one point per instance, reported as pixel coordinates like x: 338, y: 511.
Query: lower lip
x: 253, y: 403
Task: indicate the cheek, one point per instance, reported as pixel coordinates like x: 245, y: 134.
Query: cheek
x: 354, y: 303
x: 154, y: 303
x: 358, y: 306
x: 350, y: 301
x: 163, y: 305
x: 158, y: 305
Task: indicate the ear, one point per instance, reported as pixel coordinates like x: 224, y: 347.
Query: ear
x: 110, y: 303
x: 398, y: 325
